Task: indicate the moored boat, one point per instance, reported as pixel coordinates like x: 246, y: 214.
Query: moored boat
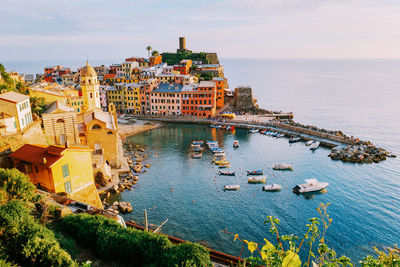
x: 227, y: 173
x: 315, y: 145
x: 279, y: 135
x: 272, y: 187
x: 220, y: 162
x: 308, y: 143
x: 257, y: 172
x: 282, y: 167
x: 220, y: 154
x: 257, y: 179
x: 232, y: 187
x: 294, y: 139
x: 224, y: 165
x: 236, y: 143
x: 253, y: 131
x: 311, y: 185
x: 197, y: 155
x: 197, y: 149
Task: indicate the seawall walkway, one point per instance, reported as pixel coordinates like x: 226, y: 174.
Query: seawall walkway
x: 326, y: 139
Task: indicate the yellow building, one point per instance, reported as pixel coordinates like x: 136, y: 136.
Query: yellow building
x: 59, y: 169
x: 99, y: 131
x: 56, y: 92
x: 18, y: 106
x: 60, y: 124
x: 116, y: 97
x: 128, y: 97
x: 90, y: 88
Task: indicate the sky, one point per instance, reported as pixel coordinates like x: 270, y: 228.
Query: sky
x: 97, y: 29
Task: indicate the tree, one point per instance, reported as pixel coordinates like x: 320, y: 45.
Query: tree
x: 38, y: 105
x: 155, y: 53
x: 149, y: 48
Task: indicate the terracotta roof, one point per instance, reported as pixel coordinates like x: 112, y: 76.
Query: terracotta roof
x: 110, y: 75
x: 57, y: 105
x: 36, y: 153
x: 13, y: 97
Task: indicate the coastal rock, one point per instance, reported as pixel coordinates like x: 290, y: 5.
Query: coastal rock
x: 124, y: 207
x: 115, y: 188
x: 147, y: 165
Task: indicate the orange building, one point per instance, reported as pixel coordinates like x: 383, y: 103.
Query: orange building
x: 184, y: 66
x: 199, y: 99
x: 220, y: 85
x: 155, y: 60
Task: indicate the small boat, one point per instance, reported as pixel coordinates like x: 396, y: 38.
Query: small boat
x: 197, y: 155
x: 257, y: 172
x: 282, y: 167
x: 272, y: 187
x: 228, y: 173
x: 197, y: 149
x: 280, y: 135
x: 220, y: 154
x: 221, y: 162
x: 236, y: 144
x: 257, y: 179
x: 294, y: 139
x: 217, y: 150
x: 232, y: 187
x: 215, y: 126
x: 311, y: 185
x: 308, y: 143
x: 198, y: 142
x: 315, y: 145
x: 253, y: 131
x: 274, y: 134
x: 224, y: 165
x: 195, y: 145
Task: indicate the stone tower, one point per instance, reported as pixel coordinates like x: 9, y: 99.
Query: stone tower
x: 90, y: 88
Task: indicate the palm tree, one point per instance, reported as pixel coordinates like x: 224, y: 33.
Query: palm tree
x: 148, y: 48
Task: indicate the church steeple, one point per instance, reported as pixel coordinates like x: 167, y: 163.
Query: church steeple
x: 90, y: 88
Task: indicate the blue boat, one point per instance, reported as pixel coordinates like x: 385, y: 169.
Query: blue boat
x: 257, y: 172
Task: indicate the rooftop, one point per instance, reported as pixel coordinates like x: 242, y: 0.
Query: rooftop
x: 41, y: 154
x: 168, y: 88
x: 207, y: 84
x: 13, y: 97
x: 57, y: 105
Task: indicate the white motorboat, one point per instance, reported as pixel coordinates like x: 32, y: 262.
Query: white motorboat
x: 282, y: 167
x: 272, y: 187
x: 309, y: 143
x: 232, y: 187
x: 257, y: 179
x: 311, y: 185
x: 280, y: 135
x: 253, y: 131
x: 236, y: 143
x: 314, y: 145
x: 294, y: 139
x: 219, y: 154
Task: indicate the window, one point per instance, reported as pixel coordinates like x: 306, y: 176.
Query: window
x: 67, y: 186
x: 96, y: 127
x: 91, y: 95
x: 65, y: 170
x: 36, y: 169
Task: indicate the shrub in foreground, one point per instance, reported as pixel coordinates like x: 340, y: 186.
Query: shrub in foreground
x: 111, y: 241
x: 25, y: 241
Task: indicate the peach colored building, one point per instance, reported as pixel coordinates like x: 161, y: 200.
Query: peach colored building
x: 166, y: 100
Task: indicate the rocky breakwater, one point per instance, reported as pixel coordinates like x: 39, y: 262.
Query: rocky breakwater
x: 360, y: 152
x: 136, y: 158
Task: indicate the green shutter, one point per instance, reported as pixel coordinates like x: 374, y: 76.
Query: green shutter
x: 67, y: 186
x: 65, y: 170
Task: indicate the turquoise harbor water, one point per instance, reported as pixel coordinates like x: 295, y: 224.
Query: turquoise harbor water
x: 360, y: 97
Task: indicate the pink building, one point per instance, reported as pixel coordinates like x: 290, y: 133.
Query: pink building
x: 145, y: 95
x: 166, y: 100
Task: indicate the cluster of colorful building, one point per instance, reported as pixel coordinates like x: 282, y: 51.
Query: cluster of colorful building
x: 80, y: 122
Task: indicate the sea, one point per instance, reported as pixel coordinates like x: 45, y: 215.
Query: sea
x: 360, y: 97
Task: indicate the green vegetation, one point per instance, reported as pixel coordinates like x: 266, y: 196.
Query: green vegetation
x: 38, y: 105
x: 155, y: 53
x: 8, y: 84
x: 129, y: 246
x: 26, y: 239
x: 175, y: 58
x: 286, y: 252
x: 149, y: 48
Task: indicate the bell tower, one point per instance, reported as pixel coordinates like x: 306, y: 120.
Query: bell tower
x: 90, y: 88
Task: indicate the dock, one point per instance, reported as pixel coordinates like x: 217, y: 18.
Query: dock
x: 325, y: 139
